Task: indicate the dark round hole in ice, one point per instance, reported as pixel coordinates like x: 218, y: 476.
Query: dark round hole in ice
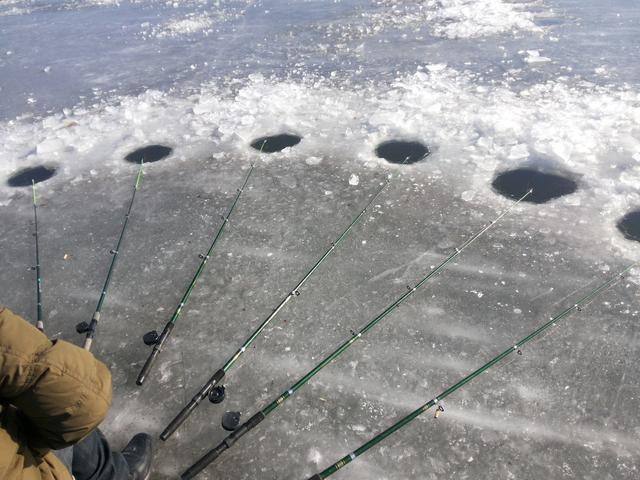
x: 150, y: 153
x: 25, y: 177
x: 629, y: 225
x: 546, y: 186
x: 275, y: 143
x: 397, y: 151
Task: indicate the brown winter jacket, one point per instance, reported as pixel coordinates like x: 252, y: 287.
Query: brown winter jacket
x: 52, y: 394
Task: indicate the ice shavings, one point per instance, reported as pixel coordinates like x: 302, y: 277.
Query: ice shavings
x: 443, y: 18
x: 202, y: 20
x: 14, y: 7
x: 479, y: 18
x: 314, y: 456
x: 190, y: 24
x: 566, y: 124
x: 25, y: 7
x: 533, y: 56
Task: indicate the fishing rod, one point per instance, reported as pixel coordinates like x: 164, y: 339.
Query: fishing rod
x: 214, y: 453
x: 516, y: 348
x: 216, y: 392
x: 152, y: 337
x: 89, y: 329
x: 39, y: 316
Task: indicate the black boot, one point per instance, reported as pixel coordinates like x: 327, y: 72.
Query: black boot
x: 138, y: 454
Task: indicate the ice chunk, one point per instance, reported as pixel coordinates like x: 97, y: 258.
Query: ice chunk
x: 533, y: 56
x: 468, y: 195
x: 313, y: 160
x: 50, y: 145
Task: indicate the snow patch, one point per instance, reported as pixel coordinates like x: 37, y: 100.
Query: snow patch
x: 467, y: 196
x: 314, y: 456
x: 533, y: 56
x: 566, y: 124
x: 480, y: 18
x: 443, y: 18
x: 190, y: 24
x: 313, y: 160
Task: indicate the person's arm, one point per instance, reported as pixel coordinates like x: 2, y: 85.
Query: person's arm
x: 60, y: 390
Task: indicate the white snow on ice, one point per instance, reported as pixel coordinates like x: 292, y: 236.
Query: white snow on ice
x: 25, y: 7
x: 444, y: 18
x: 475, y: 125
x: 589, y: 130
x: 190, y: 24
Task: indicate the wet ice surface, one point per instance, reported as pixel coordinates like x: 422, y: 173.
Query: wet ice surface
x: 489, y: 86
x: 548, y: 407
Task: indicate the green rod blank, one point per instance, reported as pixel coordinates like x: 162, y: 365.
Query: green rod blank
x: 89, y: 329
x: 435, y: 401
x: 186, y: 411
x: 39, y: 315
x: 214, y: 453
x: 159, y: 342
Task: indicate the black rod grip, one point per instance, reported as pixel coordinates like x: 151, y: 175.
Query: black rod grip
x: 316, y: 477
x: 178, y: 420
x: 244, y: 428
x: 157, y: 348
x: 142, y: 376
x: 201, y: 464
x: 214, y: 453
x: 191, y: 406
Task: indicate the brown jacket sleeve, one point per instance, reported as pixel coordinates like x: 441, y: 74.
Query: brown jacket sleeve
x: 60, y: 390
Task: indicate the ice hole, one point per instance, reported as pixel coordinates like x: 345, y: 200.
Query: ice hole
x: 546, y: 186
x: 629, y: 225
x: 398, y: 151
x: 150, y: 153
x: 24, y: 177
x: 275, y: 143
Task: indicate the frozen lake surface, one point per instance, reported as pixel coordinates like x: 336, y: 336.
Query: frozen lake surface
x: 484, y: 96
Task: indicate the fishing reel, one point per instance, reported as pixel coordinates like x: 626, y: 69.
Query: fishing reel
x: 230, y: 421
x: 82, y: 327
x: 151, y: 338
x: 217, y: 394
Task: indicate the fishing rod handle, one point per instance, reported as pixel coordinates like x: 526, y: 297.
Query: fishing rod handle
x: 157, y: 348
x: 201, y: 464
x: 151, y: 359
x: 214, y: 453
x: 91, y: 331
x: 191, y: 406
x: 316, y: 477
